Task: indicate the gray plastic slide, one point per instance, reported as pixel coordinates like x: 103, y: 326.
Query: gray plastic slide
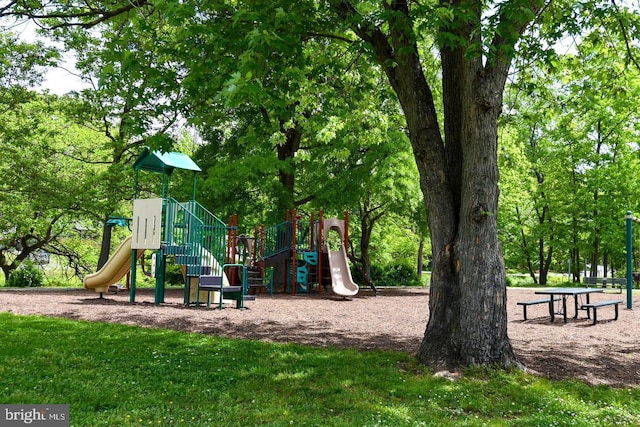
x: 341, y: 281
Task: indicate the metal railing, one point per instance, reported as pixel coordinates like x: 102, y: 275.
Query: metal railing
x: 277, y: 239
x: 195, y: 236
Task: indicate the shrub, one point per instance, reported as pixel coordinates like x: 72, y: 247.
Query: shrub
x: 378, y: 274
x: 27, y: 275
x: 173, y: 274
x: 395, y: 275
x: 519, y: 280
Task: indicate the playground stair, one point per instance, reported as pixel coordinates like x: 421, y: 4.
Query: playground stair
x: 198, y: 241
x: 192, y: 265
x: 256, y: 281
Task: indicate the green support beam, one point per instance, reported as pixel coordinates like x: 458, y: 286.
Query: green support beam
x: 630, y: 219
x: 132, y: 277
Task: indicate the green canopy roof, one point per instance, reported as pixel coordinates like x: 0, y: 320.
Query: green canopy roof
x: 155, y: 161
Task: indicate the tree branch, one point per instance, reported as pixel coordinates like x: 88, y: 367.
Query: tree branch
x: 368, y: 32
x: 330, y: 36
x: 625, y: 36
x: 96, y: 16
x: 505, y: 41
x: 8, y: 6
x: 305, y: 200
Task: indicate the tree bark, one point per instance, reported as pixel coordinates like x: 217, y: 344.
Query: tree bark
x: 365, y: 241
x: 105, y: 246
x: 286, y: 172
x: 420, y: 261
x: 544, y: 255
x: 368, y: 219
x: 575, y: 252
x: 467, y: 305
x: 4, y: 266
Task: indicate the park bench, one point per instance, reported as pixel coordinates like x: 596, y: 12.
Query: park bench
x: 594, y: 281
x: 215, y: 284
x: 595, y: 305
x: 618, y: 282
x: 525, y: 304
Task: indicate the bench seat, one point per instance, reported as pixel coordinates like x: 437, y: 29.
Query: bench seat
x: 525, y: 304
x: 595, y: 305
x: 215, y: 284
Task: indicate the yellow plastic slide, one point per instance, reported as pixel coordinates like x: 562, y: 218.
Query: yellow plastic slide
x: 115, y: 269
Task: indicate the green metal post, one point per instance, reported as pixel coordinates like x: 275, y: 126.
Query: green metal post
x: 629, y: 217
x: 194, y: 186
x: 164, y: 192
x: 135, y: 186
x: 132, y: 278
x: 168, y: 189
x: 187, y: 288
x: 160, y: 270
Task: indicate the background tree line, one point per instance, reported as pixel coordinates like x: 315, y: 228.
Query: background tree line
x: 569, y: 143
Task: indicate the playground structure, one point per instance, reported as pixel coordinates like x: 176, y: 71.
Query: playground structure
x: 213, y: 257
x: 196, y: 238
x: 299, y: 254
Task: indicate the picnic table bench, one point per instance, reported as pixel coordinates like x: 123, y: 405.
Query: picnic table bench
x: 555, y: 294
x: 525, y: 304
x: 595, y: 305
x: 564, y: 293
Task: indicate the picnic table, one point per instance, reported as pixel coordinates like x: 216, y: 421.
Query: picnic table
x: 564, y: 293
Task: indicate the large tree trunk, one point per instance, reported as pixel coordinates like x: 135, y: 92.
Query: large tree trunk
x: 467, y: 306
x: 468, y: 321
x: 286, y: 172
x: 468, y: 313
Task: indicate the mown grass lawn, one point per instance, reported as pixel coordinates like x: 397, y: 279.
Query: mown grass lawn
x: 116, y: 375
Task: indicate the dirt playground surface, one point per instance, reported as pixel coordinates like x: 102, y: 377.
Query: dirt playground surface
x: 606, y: 353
